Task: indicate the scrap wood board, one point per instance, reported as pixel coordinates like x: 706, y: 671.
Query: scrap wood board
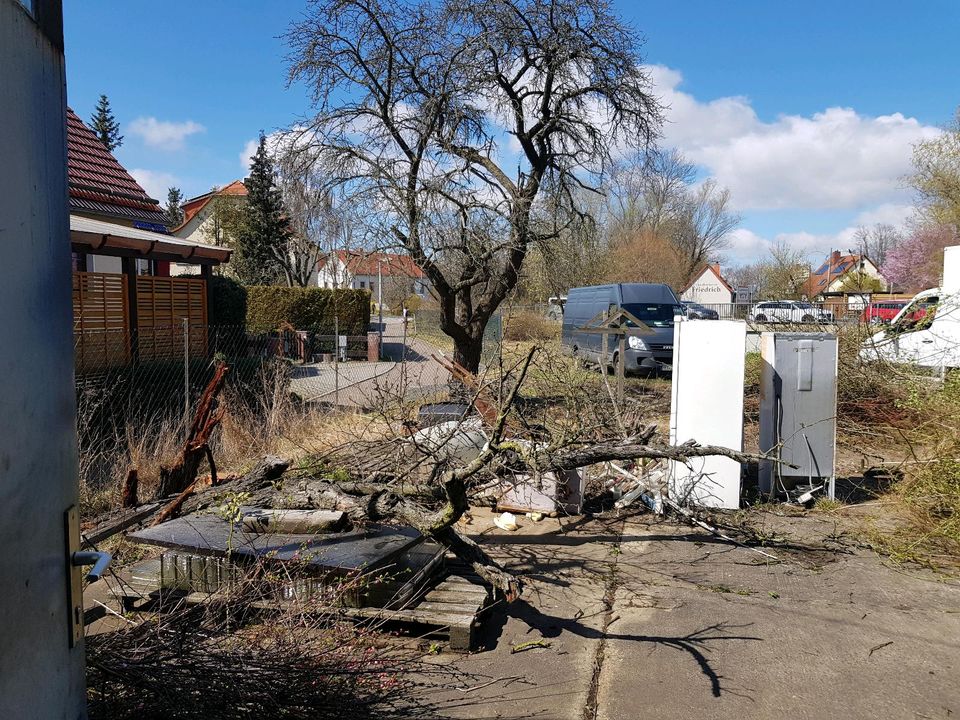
x: 452, y: 608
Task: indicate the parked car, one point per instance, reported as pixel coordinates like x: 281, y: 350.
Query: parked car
x: 927, y: 331
x: 696, y: 311
x: 555, y: 307
x: 653, y: 304
x: 789, y: 311
x: 881, y: 313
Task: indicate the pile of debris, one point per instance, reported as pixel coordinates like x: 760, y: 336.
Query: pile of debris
x: 395, y: 526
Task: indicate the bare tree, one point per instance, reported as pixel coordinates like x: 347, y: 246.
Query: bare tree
x: 704, y: 225
x: 876, y: 242
x: 655, y: 197
x: 786, y: 271
x: 313, y: 218
x: 415, y: 104
x: 648, y: 192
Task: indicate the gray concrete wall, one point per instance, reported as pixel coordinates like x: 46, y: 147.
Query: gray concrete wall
x: 40, y: 675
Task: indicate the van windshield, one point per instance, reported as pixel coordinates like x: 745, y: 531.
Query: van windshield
x: 654, y: 314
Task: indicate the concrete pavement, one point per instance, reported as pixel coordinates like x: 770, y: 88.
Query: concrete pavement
x: 647, y: 618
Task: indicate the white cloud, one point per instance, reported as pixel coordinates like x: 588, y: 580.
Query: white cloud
x: 888, y: 213
x: 832, y: 159
x: 155, y: 183
x: 747, y: 246
x: 248, y: 150
x: 275, y: 142
x: 163, y: 134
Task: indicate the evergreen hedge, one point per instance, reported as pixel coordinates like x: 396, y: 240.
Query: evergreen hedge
x: 228, y: 302
x: 313, y: 309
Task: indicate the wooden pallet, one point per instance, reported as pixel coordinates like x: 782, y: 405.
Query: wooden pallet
x: 452, y: 608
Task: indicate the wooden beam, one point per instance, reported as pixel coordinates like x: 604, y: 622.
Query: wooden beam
x: 129, y: 267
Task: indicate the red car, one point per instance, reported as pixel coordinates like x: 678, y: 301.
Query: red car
x: 881, y: 313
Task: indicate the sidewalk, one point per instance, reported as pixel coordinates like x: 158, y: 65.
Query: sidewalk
x: 315, y: 381
x: 410, y: 373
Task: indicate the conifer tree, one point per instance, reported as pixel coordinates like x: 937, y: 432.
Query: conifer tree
x: 174, y: 210
x: 105, y: 125
x: 262, y: 236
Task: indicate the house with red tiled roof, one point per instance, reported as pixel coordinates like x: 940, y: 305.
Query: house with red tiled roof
x: 125, y: 305
x: 112, y: 217
x: 842, y: 274
x: 708, y: 287
x: 202, y: 218
x: 363, y: 270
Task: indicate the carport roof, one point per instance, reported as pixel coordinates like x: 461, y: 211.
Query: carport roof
x: 103, y: 238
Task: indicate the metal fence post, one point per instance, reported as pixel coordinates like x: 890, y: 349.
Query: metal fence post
x: 403, y: 358
x: 186, y: 374
x: 336, y: 360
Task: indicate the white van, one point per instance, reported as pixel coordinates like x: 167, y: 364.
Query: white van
x: 926, y: 332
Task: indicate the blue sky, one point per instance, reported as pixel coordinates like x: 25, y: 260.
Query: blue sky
x: 806, y: 111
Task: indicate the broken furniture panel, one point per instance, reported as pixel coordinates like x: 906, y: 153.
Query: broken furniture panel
x: 547, y: 493
x: 207, y: 553
x: 707, y: 407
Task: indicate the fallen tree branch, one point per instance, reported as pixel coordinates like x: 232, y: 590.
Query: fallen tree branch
x: 570, y: 459
x: 196, y: 445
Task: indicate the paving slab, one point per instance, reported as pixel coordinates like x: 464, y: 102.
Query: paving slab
x: 649, y: 618
x: 563, y: 606
x: 708, y: 630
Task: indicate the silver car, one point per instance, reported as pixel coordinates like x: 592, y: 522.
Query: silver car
x: 789, y: 311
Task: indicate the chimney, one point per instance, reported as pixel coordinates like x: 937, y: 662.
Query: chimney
x: 835, y: 257
x: 716, y: 268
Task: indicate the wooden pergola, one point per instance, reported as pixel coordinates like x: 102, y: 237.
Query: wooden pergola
x: 123, y: 317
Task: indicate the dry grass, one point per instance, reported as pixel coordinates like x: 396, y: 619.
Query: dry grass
x: 273, y: 423
x: 247, y: 652
x: 525, y: 325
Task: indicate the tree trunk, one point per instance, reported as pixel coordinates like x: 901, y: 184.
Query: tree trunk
x: 467, y: 351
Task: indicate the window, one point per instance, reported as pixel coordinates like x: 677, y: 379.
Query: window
x: 363, y: 284
x: 654, y: 315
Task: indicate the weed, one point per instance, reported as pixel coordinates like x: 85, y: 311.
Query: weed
x: 826, y: 505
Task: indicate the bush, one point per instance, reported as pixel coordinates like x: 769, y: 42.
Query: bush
x: 228, y: 301
x: 413, y: 303
x: 313, y: 309
x: 529, y: 325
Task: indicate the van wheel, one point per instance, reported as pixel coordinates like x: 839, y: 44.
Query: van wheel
x: 807, y: 319
x: 761, y: 318
x: 612, y: 370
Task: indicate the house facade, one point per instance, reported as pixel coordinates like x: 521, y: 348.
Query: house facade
x: 844, y: 274
x: 364, y: 270
x: 202, y: 218
x: 708, y: 287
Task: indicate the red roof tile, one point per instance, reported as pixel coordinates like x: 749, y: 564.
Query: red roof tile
x: 194, y: 205
x: 99, y: 184
x: 835, y: 266
x: 390, y: 264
